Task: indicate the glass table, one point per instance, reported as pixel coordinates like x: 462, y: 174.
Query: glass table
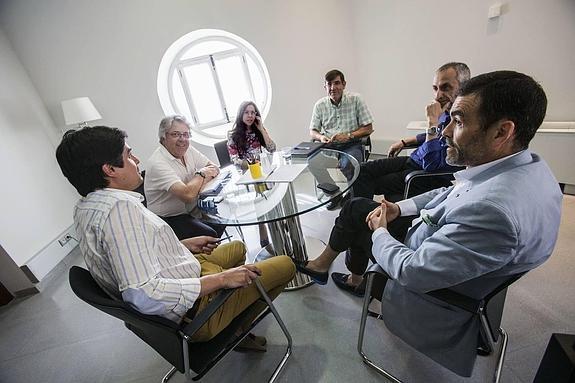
x: 282, y: 197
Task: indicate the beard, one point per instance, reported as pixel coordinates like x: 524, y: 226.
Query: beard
x: 471, y: 153
x: 455, y: 156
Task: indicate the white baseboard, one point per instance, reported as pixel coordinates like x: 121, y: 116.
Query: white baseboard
x: 49, y: 257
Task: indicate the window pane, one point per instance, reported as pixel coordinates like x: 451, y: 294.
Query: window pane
x: 220, y: 130
x: 233, y: 82
x: 206, y: 48
x: 181, y: 105
x: 258, y: 81
x: 204, y: 94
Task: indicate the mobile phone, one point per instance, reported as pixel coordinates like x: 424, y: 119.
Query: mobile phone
x: 328, y: 188
x: 222, y: 239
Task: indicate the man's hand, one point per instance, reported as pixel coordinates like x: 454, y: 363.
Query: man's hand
x: 434, y: 110
x: 240, y: 276
x: 210, y: 171
x: 202, y: 244
x: 340, y: 137
x: 325, y: 139
x: 395, y: 148
x: 382, y: 215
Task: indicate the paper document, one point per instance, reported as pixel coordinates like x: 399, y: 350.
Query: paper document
x: 282, y: 173
x: 247, y: 179
x: 286, y: 173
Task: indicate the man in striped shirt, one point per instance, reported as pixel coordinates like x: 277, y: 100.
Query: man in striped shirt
x: 135, y: 256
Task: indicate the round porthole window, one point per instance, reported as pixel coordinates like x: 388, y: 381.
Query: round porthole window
x: 205, y: 75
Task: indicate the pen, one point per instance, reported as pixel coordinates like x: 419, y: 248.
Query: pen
x: 222, y: 239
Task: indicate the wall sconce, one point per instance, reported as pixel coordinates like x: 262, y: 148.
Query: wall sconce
x: 79, y: 111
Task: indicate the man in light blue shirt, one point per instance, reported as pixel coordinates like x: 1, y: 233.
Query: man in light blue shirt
x: 500, y: 219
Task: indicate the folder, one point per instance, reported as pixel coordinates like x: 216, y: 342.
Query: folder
x: 306, y: 149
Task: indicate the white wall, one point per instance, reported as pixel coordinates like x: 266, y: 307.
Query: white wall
x: 35, y: 200
x: 111, y: 50
x: 399, y: 44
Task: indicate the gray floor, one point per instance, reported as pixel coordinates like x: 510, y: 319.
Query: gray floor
x: 54, y: 337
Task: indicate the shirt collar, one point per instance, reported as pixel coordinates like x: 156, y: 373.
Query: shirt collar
x: 167, y: 155
x: 343, y: 98
x: 129, y: 192
x: 470, y: 172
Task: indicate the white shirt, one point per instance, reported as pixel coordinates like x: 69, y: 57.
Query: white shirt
x: 134, y: 255
x: 162, y: 172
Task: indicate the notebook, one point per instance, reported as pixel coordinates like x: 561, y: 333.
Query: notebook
x: 306, y: 149
x: 214, y: 186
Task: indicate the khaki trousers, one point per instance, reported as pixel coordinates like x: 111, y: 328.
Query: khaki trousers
x: 276, y: 274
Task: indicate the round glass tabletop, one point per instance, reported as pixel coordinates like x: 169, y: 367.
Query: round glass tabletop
x: 287, y: 188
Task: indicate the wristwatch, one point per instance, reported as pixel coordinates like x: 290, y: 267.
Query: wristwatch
x: 199, y: 173
x: 433, y: 131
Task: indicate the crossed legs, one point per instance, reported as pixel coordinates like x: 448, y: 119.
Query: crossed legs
x: 351, y: 232
x: 276, y: 274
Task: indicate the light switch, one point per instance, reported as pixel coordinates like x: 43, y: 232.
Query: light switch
x: 494, y: 11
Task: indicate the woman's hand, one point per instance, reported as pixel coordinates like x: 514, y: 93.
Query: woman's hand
x: 259, y: 124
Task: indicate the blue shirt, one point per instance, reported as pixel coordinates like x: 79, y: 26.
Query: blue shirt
x: 430, y: 155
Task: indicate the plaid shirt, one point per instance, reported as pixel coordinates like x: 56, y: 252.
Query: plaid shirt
x: 346, y: 117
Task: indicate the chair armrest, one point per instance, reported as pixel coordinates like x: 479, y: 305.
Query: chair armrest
x: 376, y: 269
x: 202, y: 317
x: 423, y: 173
x: 448, y: 296
x: 408, y: 146
x: 459, y: 300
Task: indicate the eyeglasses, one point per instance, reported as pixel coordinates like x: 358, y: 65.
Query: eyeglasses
x: 179, y: 135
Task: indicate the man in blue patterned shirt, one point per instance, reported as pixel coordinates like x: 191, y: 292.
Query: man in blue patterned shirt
x: 386, y: 176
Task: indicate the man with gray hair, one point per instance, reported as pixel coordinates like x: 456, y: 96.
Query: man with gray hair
x: 386, y: 176
x: 175, y: 175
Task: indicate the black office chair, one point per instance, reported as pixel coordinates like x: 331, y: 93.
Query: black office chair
x: 171, y: 340
x: 488, y: 310
x: 417, y: 177
x: 222, y: 153
x: 140, y: 189
x: 366, y: 144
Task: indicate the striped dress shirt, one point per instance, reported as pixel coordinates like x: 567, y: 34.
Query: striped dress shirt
x: 134, y: 255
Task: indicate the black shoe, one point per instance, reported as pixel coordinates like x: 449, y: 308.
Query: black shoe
x: 338, y: 202
x: 340, y: 280
x: 318, y: 277
x: 483, y: 350
x: 334, y: 203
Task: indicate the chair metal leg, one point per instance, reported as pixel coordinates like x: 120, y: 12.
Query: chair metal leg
x: 501, y: 358
x: 169, y: 374
x: 288, y: 352
x: 362, y: 324
x: 241, y: 233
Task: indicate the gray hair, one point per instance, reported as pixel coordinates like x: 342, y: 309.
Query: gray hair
x: 167, y: 123
x: 462, y: 70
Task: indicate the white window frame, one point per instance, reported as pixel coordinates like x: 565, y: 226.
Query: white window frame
x: 172, y: 62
